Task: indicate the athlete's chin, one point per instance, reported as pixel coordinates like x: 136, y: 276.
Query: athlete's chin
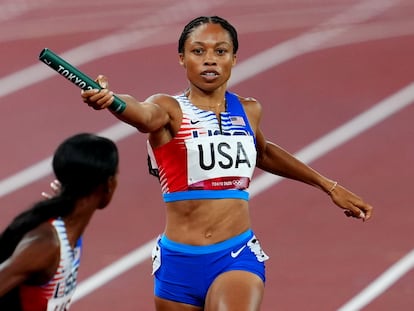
x: 209, y: 87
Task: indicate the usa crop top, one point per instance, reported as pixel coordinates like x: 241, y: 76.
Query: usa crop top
x: 57, y: 293
x: 207, y: 159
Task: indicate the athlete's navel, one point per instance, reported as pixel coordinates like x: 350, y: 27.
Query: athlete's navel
x: 208, y: 234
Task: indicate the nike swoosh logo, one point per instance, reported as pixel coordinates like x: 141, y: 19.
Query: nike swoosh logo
x: 236, y: 253
x: 194, y: 121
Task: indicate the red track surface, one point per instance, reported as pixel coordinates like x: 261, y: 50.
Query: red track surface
x: 319, y: 259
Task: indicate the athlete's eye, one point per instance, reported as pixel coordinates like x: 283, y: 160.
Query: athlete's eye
x: 221, y: 51
x: 198, y: 51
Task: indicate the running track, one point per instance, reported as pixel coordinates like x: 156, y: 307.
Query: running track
x: 335, y: 80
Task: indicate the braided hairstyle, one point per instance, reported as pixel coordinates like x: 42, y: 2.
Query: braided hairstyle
x: 201, y: 20
x: 81, y: 163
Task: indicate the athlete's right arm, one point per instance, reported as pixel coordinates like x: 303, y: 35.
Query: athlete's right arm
x: 35, y: 255
x: 148, y: 116
x: 153, y: 114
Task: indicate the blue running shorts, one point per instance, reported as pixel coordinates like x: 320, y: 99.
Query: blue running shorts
x: 184, y: 273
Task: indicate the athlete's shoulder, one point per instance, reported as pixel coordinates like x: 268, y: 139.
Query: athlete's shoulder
x: 43, y: 237
x: 165, y: 101
x: 250, y: 104
x: 246, y: 100
x: 161, y: 98
x: 37, y: 252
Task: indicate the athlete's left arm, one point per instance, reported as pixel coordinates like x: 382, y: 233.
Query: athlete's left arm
x: 276, y: 160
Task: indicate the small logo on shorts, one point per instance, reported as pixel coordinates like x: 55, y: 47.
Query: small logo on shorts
x: 237, y: 253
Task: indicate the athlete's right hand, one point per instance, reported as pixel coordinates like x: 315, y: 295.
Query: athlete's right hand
x: 98, y: 99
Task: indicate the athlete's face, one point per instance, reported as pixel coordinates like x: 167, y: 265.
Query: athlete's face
x: 109, y: 190
x: 208, y: 56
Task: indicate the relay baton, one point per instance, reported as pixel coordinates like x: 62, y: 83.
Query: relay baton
x: 77, y: 77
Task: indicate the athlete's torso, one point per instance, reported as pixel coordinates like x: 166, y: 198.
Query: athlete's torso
x: 57, y: 293
x: 208, y: 158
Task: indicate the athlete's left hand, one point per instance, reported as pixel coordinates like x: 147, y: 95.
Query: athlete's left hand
x: 353, y: 205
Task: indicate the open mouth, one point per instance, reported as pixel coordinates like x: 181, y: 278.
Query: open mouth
x: 209, y: 74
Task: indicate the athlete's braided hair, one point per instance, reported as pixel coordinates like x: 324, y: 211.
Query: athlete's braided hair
x: 208, y: 20
x: 81, y: 163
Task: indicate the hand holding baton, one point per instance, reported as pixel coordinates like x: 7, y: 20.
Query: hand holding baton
x: 77, y: 77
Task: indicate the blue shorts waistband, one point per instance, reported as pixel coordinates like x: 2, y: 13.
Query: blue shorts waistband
x: 206, y: 194
x: 205, y: 249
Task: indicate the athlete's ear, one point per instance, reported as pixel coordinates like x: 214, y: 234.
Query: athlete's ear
x: 234, y: 59
x: 181, y: 59
x: 112, y: 183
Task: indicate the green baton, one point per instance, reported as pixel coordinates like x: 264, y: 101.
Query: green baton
x: 77, y: 77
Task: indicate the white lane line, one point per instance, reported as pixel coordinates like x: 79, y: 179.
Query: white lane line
x: 13, y: 8
x: 117, y: 132
x: 381, y: 284
x: 354, y: 127
x: 115, y: 269
x: 312, y: 40
x: 136, y: 34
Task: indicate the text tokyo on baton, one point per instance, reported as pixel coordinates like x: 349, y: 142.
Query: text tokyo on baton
x: 73, y: 78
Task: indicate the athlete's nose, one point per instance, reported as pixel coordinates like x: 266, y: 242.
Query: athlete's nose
x: 210, y: 58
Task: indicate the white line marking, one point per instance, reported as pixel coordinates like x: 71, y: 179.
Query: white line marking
x: 311, y: 40
x: 43, y: 168
x: 114, y: 270
x: 384, y: 109
x: 381, y: 284
x: 143, y: 30
x: 13, y: 8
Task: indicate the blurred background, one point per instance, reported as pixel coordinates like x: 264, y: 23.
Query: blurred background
x: 335, y: 78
